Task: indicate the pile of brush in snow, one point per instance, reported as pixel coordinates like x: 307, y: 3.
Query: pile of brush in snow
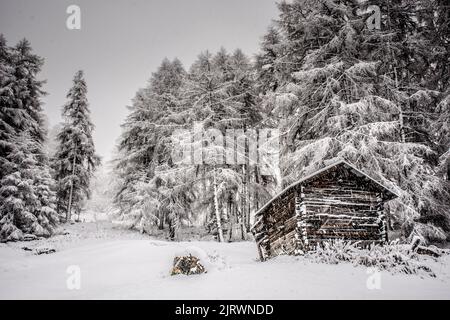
x: 393, y: 257
x: 187, y: 265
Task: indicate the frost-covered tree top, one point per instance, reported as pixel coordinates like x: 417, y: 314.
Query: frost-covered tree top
x: 76, y: 111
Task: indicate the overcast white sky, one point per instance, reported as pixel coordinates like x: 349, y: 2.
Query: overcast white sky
x: 121, y: 42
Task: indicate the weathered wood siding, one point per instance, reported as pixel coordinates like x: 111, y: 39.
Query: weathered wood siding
x: 280, y: 226
x: 336, y: 204
x: 277, y: 231
x: 342, y: 205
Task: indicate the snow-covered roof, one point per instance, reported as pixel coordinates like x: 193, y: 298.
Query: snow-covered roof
x: 389, y: 193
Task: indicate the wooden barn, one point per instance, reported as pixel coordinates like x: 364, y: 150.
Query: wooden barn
x: 336, y: 202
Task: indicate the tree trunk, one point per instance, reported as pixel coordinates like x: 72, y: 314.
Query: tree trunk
x: 242, y: 225
x: 216, y: 210
x: 230, y: 218
x: 249, y: 201
x: 174, y: 225
x: 448, y: 171
x: 402, y: 126
x: 243, y: 212
x: 161, y: 220
x: 255, y: 191
x: 400, y: 112
x: 69, y: 208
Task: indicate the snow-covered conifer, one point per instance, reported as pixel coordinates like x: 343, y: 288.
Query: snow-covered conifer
x: 75, y: 159
x: 26, y: 194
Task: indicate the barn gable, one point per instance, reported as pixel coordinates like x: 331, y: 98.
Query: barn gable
x: 336, y: 202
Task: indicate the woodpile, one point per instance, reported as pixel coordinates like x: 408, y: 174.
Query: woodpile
x: 187, y: 265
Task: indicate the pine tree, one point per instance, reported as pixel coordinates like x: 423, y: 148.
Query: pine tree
x: 220, y: 88
x: 8, y: 112
x: 20, y: 93
x: 75, y: 159
x: 26, y: 193
x: 148, y: 185
x: 18, y: 196
x: 345, y: 100
x: 267, y: 64
x: 206, y: 93
x: 217, y: 93
x: 28, y: 91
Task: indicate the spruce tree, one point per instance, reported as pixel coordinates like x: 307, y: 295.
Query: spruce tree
x: 8, y: 111
x: 20, y: 94
x: 27, y: 199
x: 26, y: 195
x: 267, y: 65
x: 75, y: 160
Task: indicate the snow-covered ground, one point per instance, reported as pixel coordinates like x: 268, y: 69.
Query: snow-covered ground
x: 116, y: 264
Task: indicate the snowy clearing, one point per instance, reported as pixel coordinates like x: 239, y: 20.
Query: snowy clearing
x: 123, y: 265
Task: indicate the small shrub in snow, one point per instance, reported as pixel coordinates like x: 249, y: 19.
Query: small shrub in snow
x: 393, y: 257
x: 334, y: 252
x: 427, y: 233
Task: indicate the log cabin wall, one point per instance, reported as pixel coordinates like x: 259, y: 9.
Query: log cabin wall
x: 342, y: 205
x: 275, y: 232
x: 280, y: 226
x: 347, y: 214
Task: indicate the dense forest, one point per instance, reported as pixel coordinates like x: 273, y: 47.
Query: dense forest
x: 329, y: 83
x: 332, y: 86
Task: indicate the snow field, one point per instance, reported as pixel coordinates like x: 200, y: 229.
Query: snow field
x: 139, y: 269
